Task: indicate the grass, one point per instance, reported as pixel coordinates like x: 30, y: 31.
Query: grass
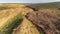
x: 14, y: 22
x: 26, y: 27
x: 11, y: 24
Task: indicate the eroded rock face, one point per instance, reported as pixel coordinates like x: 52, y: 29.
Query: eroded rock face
x: 33, y: 8
x: 48, y: 21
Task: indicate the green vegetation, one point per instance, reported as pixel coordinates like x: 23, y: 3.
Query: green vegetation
x: 12, y: 22
x: 9, y: 18
x: 28, y: 28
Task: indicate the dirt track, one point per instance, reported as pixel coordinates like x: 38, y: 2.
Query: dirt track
x: 26, y: 27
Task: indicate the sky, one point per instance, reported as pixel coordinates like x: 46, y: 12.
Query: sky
x: 27, y: 1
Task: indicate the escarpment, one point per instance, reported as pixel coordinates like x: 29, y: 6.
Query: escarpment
x: 48, y: 21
